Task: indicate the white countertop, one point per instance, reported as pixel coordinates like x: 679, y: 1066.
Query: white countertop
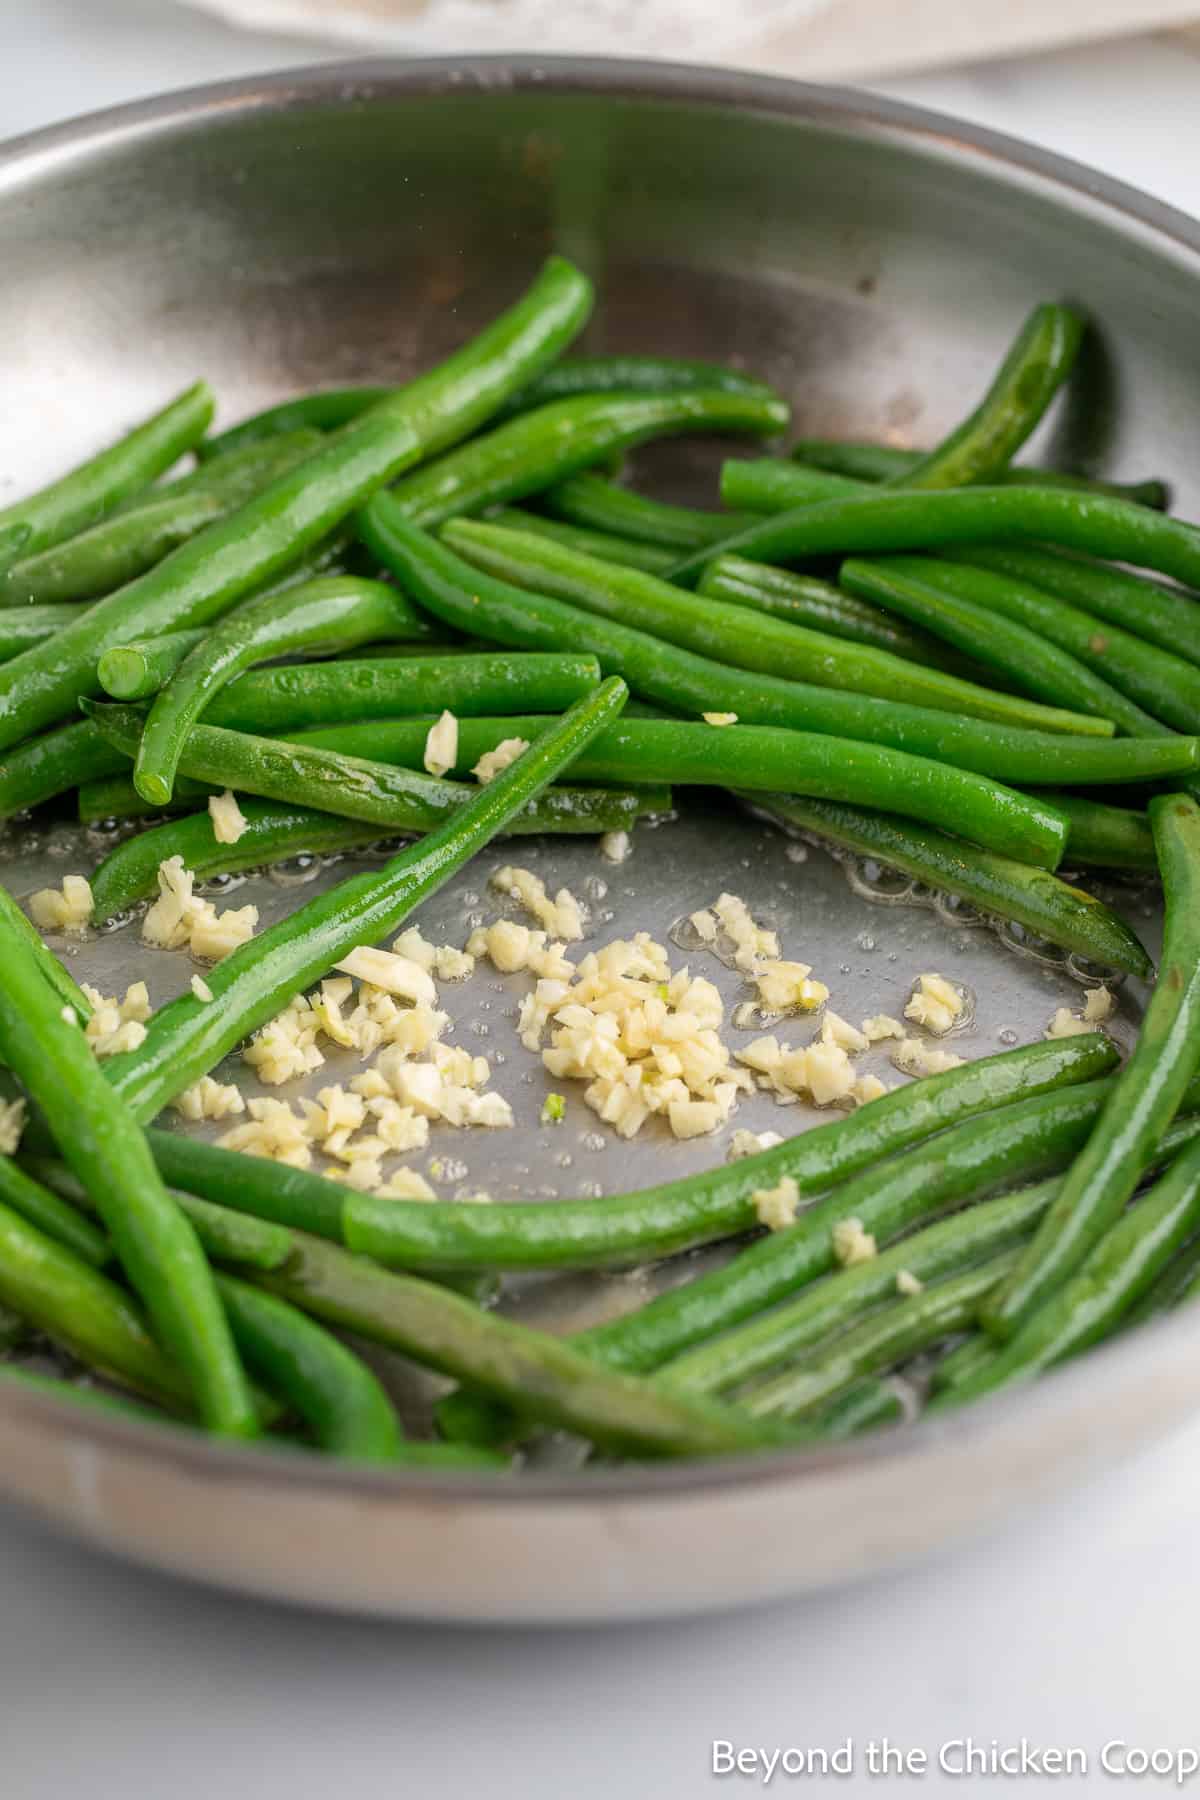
x: 1071, y: 1630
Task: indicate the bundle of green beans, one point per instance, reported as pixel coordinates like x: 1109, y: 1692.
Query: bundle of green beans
x: 937, y: 707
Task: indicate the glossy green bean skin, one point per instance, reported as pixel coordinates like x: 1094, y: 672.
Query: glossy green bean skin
x: 961, y: 1363
x: 623, y: 1229
x: 894, y: 1334
x: 804, y: 600
x: 137, y: 671
x: 678, y: 752
x: 1121, y: 1267
x: 731, y: 635
x: 403, y: 800
x: 188, y: 1037
x: 84, y: 1311
x: 53, y: 763
x: 863, y: 1406
x: 43, y: 1208
x: 101, y: 1144
x: 1028, y: 660
x: 1013, y: 1144
x: 13, y: 539
x: 94, y: 488
x: 140, y: 533
x: 1105, y: 837
x: 590, y: 500
x: 333, y: 1390
x: 1162, y: 616
x: 336, y: 612
x: 22, y: 628
x: 469, y: 599
x: 1144, y: 1099
x: 1041, y: 902
x: 605, y: 544
x: 543, y: 1375
x: 257, y: 542
x: 322, y: 411
x: 840, y: 1301
x: 880, y: 462
x: 13, y: 919
x: 609, y: 372
x: 538, y: 448
x: 896, y: 519
x: 1038, y: 362
x: 272, y: 1192
x: 1166, y: 686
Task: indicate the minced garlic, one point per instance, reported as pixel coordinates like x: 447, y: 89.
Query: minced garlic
x: 228, y: 819
x: 12, y: 1124
x: 201, y: 989
x: 935, y: 1003
x: 616, y: 846
x: 851, y: 1243
x: 208, y: 1099
x: 68, y: 908
x: 776, y: 1207
x: 751, y: 1143
x: 719, y: 718
x: 441, y: 745
x: 1066, y: 1024
x: 117, y: 1025
x: 908, y: 1284
x: 390, y: 973
x: 562, y: 917
x: 494, y: 762
x: 912, y: 1056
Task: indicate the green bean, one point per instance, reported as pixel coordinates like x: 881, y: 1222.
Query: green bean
x: 837, y: 1303
x: 1038, y: 362
x: 43, y: 1208
x: 465, y: 597
x: 99, y: 1141
x: 879, y: 462
x: 137, y: 671
x: 22, y: 629
x: 1145, y: 1098
x: 14, y: 920
x: 1038, y: 901
x: 862, y: 1406
x: 251, y: 546
x: 83, y: 1311
x: 607, y: 373
x: 225, y: 1235
x: 961, y: 1363
x: 604, y: 544
x: 623, y: 1229
x: 1175, y: 1286
x: 765, y: 484
x: 1122, y: 1264
x: 891, y: 1336
x: 96, y: 487
x: 338, y: 612
x: 916, y: 588
x: 546, y: 1377
x: 53, y: 763
x: 1167, y: 686
x: 1162, y: 616
x: 13, y: 539
x: 806, y: 601
x: 606, y: 506
x: 185, y: 1038
x: 538, y: 448
x: 323, y: 411
x: 1107, y: 837
x: 404, y: 800
x: 332, y: 1389
x: 900, y: 520
x: 141, y: 533
x: 753, y: 756
x: 729, y: 635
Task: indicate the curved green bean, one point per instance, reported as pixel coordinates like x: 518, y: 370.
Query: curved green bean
x: 538, y: 448
x: 100, y: 1142
x: 96, y: 487
x: 186, y: 1038
x: 1144, y: 1099
x: 863, y: 1406
x: 1122, y: 1265
x: 730, y: 635
x: 1038, y: 362
x: 962, y: 1362
x: 898, y: 519
x: 1038, y: 901
x: 140, y: 533
x: 590, y: 500
x: 138, y: 670
x: 617, y: 372
x: 1165, y: 685
x: 471, y: 600
x: 623, y: 1229
x: 94, y: 1400
x: 43, y: 1208
x: 14, y: 919
x: 321, y: 411
x: 336, y: 612
x: 53, y: 763
x: 880, y: 462
x: 395, y: 799
x: 1027, y: 658
x: 344, y: 1404
x: 264, y: 536
x: 804, y: 600
x: 604, y: 544
x: 25, y: 627
x: 891, y: 1336
x: 269, y: 1191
